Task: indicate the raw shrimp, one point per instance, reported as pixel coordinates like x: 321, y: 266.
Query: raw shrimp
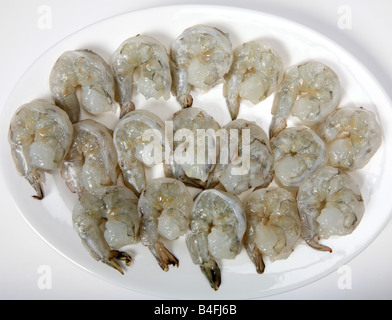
x: 298, y: 152
x: 91, y: 161
x: 329, y: 203
x: 131, y: 139
x: 113, y: 209
x: 143, y: 61
x: 88, y: 70
x: 165, y: 206
x: 352, y: 136
x: 192, y: 169
x: 217, y: 226
x: 273, y: 225
x: 254, y: 75
x: 40, y: 135
x: 201, y: 56
x: 310, y: 92
x: 256, y: 168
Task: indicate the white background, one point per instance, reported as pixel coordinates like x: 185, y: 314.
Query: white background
x: 23, y: 252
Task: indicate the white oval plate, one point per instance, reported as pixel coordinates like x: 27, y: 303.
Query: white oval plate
x: 51, y: 217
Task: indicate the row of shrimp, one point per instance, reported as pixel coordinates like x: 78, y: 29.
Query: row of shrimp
x: 297, y: 178
x: 200, y: 58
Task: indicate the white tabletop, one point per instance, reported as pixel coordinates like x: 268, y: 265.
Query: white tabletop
x: 26, y: 33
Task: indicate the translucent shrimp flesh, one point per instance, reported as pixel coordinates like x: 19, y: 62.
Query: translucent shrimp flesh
x: 89, y: 71
x: 273, y: 225
x: 298, y: 152
x: 107, y: 220
x: 165, y: 206
x: 132, y: 137
x: 217, y: 226
x: 256, y: 167
x: 141, y: 62
x: 254, y: 75
x: 352, y: 136
x: 309, y: 91
x: 40, y: 135
x: 91, y: 161
x: 192, y: 168
x: 329, y: 203
x: 201, y: 56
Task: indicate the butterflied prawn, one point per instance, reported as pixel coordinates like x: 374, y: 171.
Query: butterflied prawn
x: 352, y: 136
x: 141, y: 62
x: 201, y: 56
x: 91, y: 161
x: 273, y: 225
x: 298, y: 152
x: 309, y: 91
x: 113, y: 209
x: 193, y: 169
x: 165, y: 206
x: 132, y: 139
x: 40, y: 135
x: 329, y: 203
x: 254, y: 75
x: 255, y: 169
x: 217, y: 226
x: 87, y: 70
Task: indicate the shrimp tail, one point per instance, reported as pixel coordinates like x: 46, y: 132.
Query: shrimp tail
x: 163, y: 256
x: 181, y: 88
x: 122, y: 256
x: 33, y: 179
x: 276, y: 126
x: 185, y: 100
x: 70, y: 104
x: 24, y: 168
x: 257, y: 257
x: 212, y: 272
x: 267, y: 181
x: 126, y: 108
x: 315, y: 245
x: 234, y: 107
x: 38, y: 189
x: 194, y: 184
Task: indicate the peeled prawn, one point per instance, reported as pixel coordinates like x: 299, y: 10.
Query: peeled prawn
x: 192, y: 169
x: 352, y: 136
x: 254, y: 75
x: 309, y: 91
x: 329, y: 203
x: 91, y: 161
x: 131, y: 139
x: 40, y: 135
x: 165, y: 206
x: 256, y: 167
x: 298, y: 152
x: 273, y: 225
x: 142, y: 61
x: 201, y: 56
x: 217, y: 226
x: 113, y: 209
x: 87, y: 70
